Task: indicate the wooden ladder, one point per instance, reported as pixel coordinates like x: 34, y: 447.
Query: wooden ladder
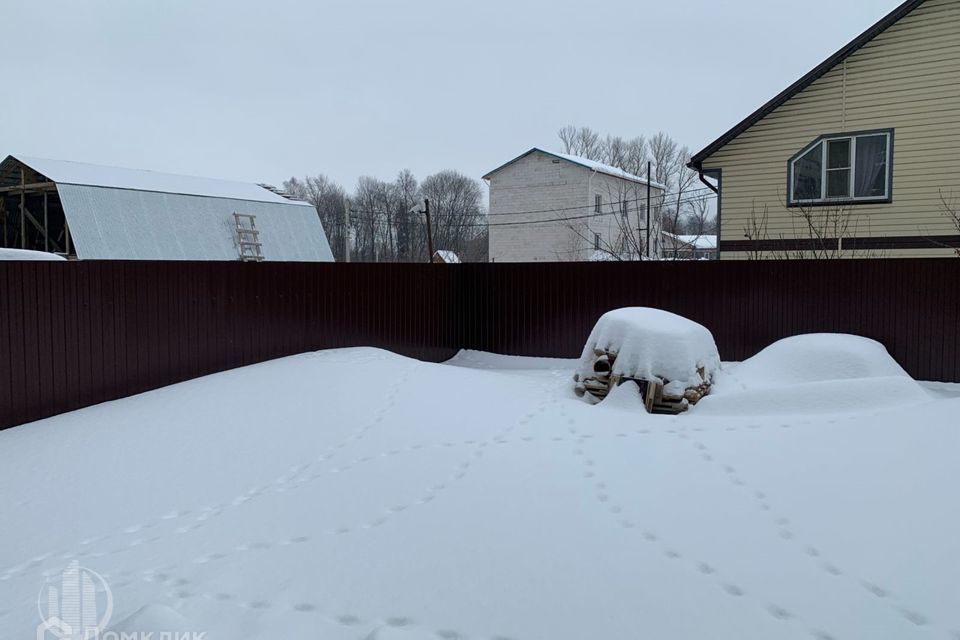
x: 248, y: 237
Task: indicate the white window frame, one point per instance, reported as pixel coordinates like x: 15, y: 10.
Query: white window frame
x: 824, y: 171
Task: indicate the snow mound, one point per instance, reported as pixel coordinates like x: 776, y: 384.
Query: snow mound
x: 814, y: 374
x: 653, y: 344
x: 814, y: 358
x: 154, y: 618
x: 26, y: 254
x: 824, y: 397
x: 393, y: 633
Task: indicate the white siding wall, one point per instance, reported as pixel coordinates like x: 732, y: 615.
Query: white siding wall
x: 555, y: 189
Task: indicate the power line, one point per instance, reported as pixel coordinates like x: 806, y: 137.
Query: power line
x: 664, y: 196
x: 693, y: 195
x: 374, y: 216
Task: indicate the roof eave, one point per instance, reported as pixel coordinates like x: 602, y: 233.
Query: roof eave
x: 696, y: 162
x: 638, y: 180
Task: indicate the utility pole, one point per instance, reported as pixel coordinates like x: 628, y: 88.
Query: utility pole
x: 649, y: 170
x: 23, y: 210
x: 426, y: 211
x: 346, y: 229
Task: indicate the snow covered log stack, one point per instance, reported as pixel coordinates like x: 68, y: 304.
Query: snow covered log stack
x: 670, y: 359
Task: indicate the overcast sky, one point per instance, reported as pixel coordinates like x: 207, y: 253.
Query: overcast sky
x: 259, y: 91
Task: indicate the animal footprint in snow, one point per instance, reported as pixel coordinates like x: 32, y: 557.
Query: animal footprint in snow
x: 399, y: 621
x: 733, y: 590
x: 778, y: 612
x: 914, y: 617
x: 876, y: 590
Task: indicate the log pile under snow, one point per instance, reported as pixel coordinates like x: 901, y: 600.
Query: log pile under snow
x: 670, y: 359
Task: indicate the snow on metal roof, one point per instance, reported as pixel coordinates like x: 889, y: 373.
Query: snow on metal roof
x: 126, y: 224
x: 593, y: 165
x: 80, y: 173
x: 447, y: 256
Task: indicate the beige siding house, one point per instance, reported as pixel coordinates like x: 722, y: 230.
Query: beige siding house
x: 857, y: 157
x: 553, y: 207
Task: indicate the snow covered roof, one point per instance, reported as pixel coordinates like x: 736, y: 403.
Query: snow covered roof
x: 698, y: 242
x: 593, y: 165
x: 446, y: 256
x: 81, y: 173
x: 127, y: 214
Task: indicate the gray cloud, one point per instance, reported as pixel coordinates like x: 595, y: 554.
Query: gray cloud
x: 261, y: 91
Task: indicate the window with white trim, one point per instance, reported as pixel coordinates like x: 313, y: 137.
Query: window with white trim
x: 844, y: 168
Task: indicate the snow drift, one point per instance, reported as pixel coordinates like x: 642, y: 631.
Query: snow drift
x: 815, y: 373
x: 402, y: 507
x: 26, y: 254
x: 818, y: 357
x: 652, y: 344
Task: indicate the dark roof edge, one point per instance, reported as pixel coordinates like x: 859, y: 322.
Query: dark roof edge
x: 696, y: 162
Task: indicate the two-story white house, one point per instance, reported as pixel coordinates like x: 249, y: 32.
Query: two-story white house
x: 554, y: 207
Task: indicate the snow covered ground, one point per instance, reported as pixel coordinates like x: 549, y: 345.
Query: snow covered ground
x: 355, y: 494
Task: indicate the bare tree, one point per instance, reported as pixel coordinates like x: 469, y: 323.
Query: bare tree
x: 328, y: 199
x: 817, y: 232
x: 581, y: 141
x: 951, y: 209
x: 456, y: 204
x: 679, y: 199
x: 618, y: 230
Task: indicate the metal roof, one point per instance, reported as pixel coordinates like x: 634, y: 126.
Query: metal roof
x: 125, y: 214
x: 696, y: 162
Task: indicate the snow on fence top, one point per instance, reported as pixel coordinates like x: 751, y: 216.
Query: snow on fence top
x: 652, y: 344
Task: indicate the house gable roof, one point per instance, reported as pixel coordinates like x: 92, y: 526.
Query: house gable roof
x: 696, y: 162
x: 592, y: 165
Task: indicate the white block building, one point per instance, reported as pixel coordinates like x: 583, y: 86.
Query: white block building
x: 553, y: 207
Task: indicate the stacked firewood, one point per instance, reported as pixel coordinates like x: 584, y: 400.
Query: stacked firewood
x: 659, y: 396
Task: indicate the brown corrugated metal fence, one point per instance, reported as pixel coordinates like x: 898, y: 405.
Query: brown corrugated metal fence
x: 78, y: 333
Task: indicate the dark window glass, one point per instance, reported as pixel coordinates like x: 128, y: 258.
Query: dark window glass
x: 597, y: 201
x: 871, y: 178
x: 838, y: 183
x: 838, y: 154
x: 808, y: 175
